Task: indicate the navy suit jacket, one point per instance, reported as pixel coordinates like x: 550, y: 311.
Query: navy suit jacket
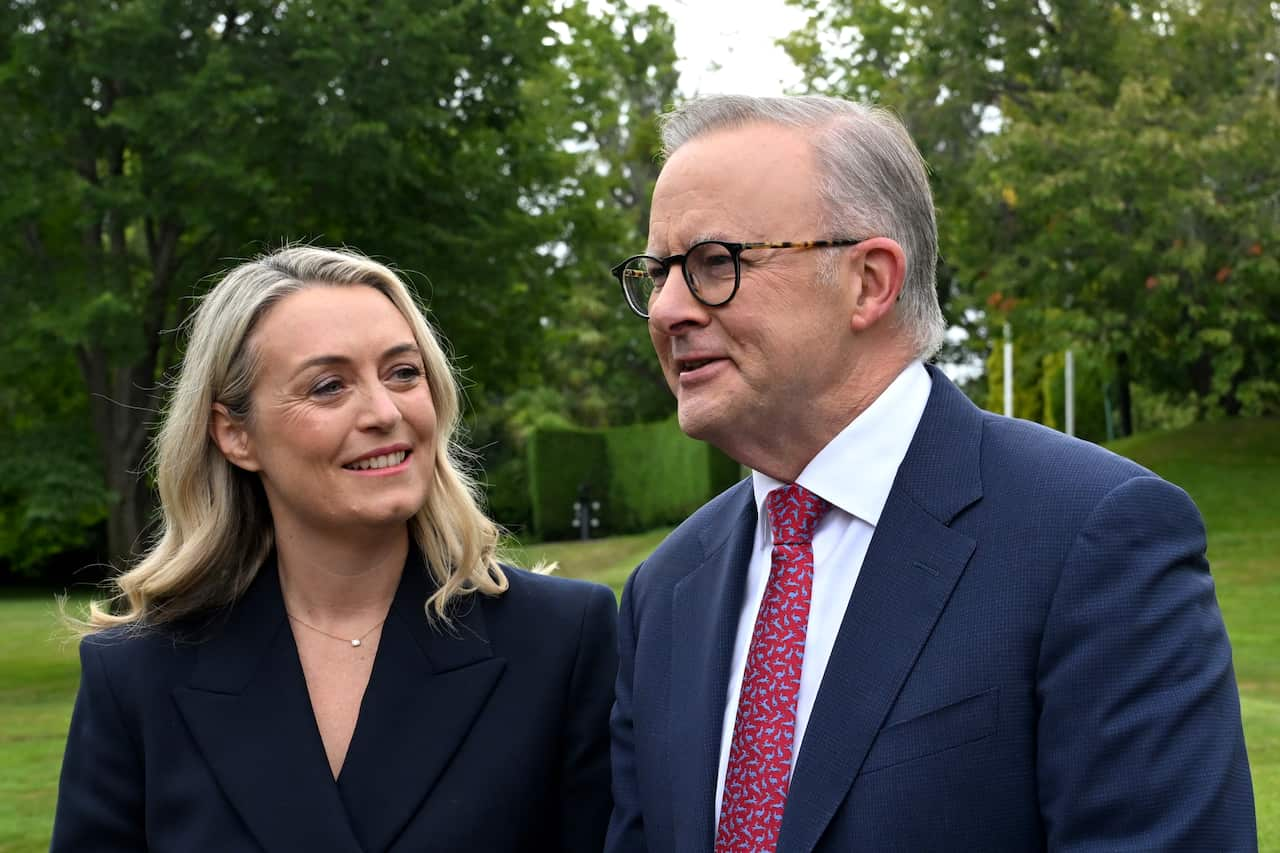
x: 489, y: 736
x: 1032, y: 659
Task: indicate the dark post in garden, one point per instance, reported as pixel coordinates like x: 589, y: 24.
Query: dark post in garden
x: 584, y: 512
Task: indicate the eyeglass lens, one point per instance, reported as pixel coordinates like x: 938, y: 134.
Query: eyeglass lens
x: 709, y: 269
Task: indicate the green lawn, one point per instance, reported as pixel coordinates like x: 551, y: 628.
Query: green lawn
x: 608, y: 561
x: 1231, y: 468
x: 39, y: 671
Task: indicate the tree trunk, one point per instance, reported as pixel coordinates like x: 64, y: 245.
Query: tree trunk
x: 1202, y: 376
x: 1124, y: 401
x: 130, y: 513
x: 122, y: 397
x: 1202, y: 381
x: 120, y: 412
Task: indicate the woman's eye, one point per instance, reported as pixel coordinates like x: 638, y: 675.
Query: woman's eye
x: 407, y: 372
x: 328, y: 388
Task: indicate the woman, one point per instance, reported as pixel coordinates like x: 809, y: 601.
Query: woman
x: 321, y: 652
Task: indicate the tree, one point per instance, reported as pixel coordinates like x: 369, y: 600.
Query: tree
x: 594, y: 360
x: 148, y: 142
x: 1103, y: 172
x: 599, y: 358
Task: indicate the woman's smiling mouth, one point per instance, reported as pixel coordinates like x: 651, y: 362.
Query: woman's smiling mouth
x: 377, y: 463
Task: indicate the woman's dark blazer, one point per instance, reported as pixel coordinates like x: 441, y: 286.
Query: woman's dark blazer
x: 490, y: 737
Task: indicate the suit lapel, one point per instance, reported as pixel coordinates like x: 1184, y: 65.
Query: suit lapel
x: 427, y: 688
x: 705, y: 609
x: 912, y: 566
x: 248, y: 710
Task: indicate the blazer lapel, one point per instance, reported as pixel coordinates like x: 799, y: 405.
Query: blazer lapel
x: 912, y: 566
x: 248, y: 709
x: 427, y: 688
x: 706, y: 606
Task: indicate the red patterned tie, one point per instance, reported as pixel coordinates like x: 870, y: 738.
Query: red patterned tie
x: 759, y: 772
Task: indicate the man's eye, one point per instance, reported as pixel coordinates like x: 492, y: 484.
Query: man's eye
x: 718, y: 266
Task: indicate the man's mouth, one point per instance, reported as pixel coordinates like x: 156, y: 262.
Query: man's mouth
x: 685, y: 365
x: 387, y: 460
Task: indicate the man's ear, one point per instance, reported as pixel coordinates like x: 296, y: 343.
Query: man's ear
x: 881, y: 267
x: 232, y: 438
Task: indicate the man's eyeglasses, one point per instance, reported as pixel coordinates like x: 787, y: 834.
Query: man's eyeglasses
x: 712, y: 271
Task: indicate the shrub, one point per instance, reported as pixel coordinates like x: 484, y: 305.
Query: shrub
x: 643, y: 475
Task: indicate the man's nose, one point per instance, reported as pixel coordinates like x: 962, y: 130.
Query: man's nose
x: 674, y: 306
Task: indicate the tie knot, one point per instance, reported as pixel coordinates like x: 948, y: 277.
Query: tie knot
x: 794, y: 512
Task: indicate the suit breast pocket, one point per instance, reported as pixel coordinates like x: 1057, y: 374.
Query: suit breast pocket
x: 965, y: 721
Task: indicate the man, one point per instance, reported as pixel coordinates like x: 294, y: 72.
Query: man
x: 917, y: 626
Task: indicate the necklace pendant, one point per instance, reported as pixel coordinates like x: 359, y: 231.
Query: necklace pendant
x: 355, y: 642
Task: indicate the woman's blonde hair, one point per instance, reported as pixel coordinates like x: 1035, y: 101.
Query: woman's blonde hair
x: 215, y: 525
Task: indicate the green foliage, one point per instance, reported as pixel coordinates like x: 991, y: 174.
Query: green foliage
x: 507, y: 494
x: 1104, y: 172
x: 658, y: 475
x: 490, y: 149
x: 1039, y: 389
x: 591, y: 364
x: 596, y: 353
x: 1028, y: 398
x: 1090, y: 393
x: 564, y: 466
x: 48, y: 508
x: 1164, y: 410
x: 51, y: 497
x: 643, y: 475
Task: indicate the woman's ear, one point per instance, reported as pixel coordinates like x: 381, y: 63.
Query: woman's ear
x: 881, y: 271
x: 232, y: 438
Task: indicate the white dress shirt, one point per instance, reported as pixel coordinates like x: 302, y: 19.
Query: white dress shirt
x: 854, y: 473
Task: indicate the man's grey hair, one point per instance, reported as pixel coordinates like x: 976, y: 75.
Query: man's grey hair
x: 872, y: 179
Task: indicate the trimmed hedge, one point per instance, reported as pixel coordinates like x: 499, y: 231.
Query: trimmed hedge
x: 644, y: 476
x: 560, y: 461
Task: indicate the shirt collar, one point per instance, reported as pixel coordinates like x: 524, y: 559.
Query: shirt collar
x: 855, y: 471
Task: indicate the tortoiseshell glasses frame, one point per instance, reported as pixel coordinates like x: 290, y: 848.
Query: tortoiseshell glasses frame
x: 712, y: 270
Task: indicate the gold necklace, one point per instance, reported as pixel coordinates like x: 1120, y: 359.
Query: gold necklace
x: 355, y: 641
